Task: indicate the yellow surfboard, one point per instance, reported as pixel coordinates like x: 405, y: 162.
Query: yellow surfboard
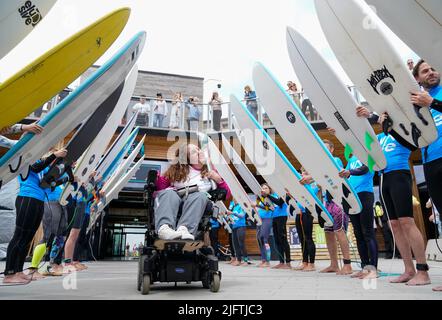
x: 55, y: 70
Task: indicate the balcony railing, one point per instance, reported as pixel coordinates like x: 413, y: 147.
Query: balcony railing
x: 206, y: 123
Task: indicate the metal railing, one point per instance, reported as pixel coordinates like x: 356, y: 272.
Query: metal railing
x: 207, y: 120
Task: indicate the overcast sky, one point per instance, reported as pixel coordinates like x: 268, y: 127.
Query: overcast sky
x: 205, y: 38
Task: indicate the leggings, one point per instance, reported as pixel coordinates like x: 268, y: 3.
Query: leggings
x: 304, y: 227
x: 239, y: 237
x: 263, y: 236
x: 433, y: 176
x: 364, y: 231
x: 82, y: 241
x: 29, y: 216
x: 232, y: 247
x: 282, y: 244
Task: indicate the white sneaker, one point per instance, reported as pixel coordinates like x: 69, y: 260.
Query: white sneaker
x: 185, y: 234
x: 167, y: 233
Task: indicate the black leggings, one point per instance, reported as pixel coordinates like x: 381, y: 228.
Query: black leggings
x: 433, y: 176
x: 232, y: 247
x: 280, y: 235
x: 304, y: 227
x: 364, y: 230
x: 82, y: 244
x: 29, y: 216
x: 239, y: 242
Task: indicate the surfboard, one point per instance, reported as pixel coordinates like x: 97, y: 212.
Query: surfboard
x: 71, y: 111
x: 113, y: 193
x: 18, y: 19
x: 93, y: 154
x: 334, y: 102
x: 221, y: 217
x: 235, y: 186
x: 418, y: 23
x: 248, y: 177
x: 359, y: 41
x: 43, y: 78
x: 122, y: 169
x: 271, y: 162
x: 303, y: 141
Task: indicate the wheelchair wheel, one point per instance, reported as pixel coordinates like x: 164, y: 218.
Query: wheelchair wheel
x: 206, y: 280
x: 139, y: 273
x: 145, y: 285
x: 216, y: 283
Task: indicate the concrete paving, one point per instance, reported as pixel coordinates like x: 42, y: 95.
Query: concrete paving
x: 117, y: 281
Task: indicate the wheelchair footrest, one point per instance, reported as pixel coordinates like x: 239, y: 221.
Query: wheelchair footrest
x: 178, y: 245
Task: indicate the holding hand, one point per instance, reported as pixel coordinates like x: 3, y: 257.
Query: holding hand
x: 213, y: 175
x: 332, y: 131
x: 62, y: 153
x: 306, y: 179
x: 32, y: 128
x: 344, y: 174
x: 363, y: 112
x: 421, y: 99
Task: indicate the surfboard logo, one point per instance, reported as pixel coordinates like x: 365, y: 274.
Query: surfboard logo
x: 291, y: 117
x: 342, y: 121
x: 265, y: 145
x: 378, y: 77
x: 30, y: 13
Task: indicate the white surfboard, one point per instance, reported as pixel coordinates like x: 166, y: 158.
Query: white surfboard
x: 93, y: 154
x: 271, y: 163
x: 235, y: 186
x: 334, y: 102
x: 113, y: 193
x: 247, y: 176
x: 18, y: 19
x: 71, y: 111
x: 418, y: 23
x: 303, y: 140
x: 116, y: 150
x: 222, y: 216
x: 359, y: 41
x: 122, y: 169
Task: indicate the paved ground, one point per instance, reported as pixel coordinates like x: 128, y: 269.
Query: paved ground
x: 116, y: 281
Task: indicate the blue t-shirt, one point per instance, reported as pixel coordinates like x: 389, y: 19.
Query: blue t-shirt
x: 30, y: 188
x: 280, y: 211
x: 239, y: 218
x: 264, y: 213
x: 396, y: 154
x: 434, y: 150
x: 53, y: 196
x: 214, y: 223
x: 362, y: 183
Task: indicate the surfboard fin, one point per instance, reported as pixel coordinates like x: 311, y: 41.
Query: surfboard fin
x: 348, y: 151
x: 345, y: 190
x: 345, y: 206
x: 416, y: 134
x: 371, y: 163
x: 368, y: 141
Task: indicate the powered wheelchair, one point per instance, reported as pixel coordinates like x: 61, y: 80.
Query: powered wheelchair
x: 178, y: 261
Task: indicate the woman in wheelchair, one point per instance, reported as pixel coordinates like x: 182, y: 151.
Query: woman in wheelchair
x: 185, y: 184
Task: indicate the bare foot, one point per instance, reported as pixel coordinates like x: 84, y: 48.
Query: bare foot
x: 35, y: 275
x: 345, y: 271
x: 310, y: 268
x: 300, y: 267
x: 420, y: 279
x: 278, y: 266
x: 371, y: 274
x: 438, y: 289
x: 79, y: 266
x: 15, y: 279
x: 404, y: 278
x: 358, y: 275
x: 236, y: 264
x: 286, y: 266
x: 244, y: 264
x: 266, y: 265
x: 69, y: 268
x: 261, y: 265
x: 330, y: 269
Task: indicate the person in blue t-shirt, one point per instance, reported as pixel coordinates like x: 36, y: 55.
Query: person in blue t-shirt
x: 30, y: 209
x: 238, y: 217
x: 265, y: 205
x: 397, y: 198
x: 279, y: 224
x: 361, y: 179
x: 213, y: 235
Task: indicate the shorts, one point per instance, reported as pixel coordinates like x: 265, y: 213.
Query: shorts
x: 339, y: 217
x: 54, y: 220
x: 397, y: 194
x: 79, y: 216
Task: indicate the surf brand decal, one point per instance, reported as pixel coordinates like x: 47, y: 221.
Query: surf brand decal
x: 30, y: 13
x: 342, y: 121
x: 377, y: 78
x: 291, y: 117
x: 265, y: 145
x: 92, y: 159
x: 98, y: 41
